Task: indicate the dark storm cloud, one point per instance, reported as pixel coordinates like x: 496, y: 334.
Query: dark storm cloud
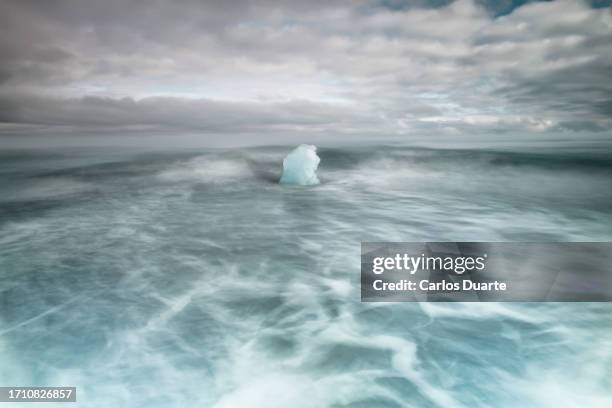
x: 337, y: 66
x: 178, y: 113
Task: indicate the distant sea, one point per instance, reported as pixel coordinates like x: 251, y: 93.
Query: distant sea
x: 191, y: 278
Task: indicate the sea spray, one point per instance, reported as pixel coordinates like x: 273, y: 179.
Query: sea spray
x: 300, y: 166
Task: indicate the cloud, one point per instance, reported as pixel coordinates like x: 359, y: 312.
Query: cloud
x: 340, y: 67
x: 167, y: 113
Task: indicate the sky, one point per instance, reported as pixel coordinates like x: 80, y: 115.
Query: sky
x: 262, y: 70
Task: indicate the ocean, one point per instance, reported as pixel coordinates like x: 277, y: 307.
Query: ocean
x: 191, y: 278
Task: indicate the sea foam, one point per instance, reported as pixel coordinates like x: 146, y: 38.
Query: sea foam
x: 300, y: 166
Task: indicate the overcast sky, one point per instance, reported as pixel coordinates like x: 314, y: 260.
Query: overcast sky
x: 334, y: 68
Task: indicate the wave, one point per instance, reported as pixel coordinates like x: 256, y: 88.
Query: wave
x: 207, y: 169
x: 225, y: 168
x: 47, y: 188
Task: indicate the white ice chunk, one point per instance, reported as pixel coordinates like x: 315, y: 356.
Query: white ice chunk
x: 300, y: 166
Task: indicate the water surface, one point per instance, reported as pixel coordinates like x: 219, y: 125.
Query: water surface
x: 192, y: 279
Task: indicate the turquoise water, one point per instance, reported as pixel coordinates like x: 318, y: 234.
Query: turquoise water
x: 192, y: 279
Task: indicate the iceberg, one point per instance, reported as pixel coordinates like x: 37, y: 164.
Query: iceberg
x: 300, y: 166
